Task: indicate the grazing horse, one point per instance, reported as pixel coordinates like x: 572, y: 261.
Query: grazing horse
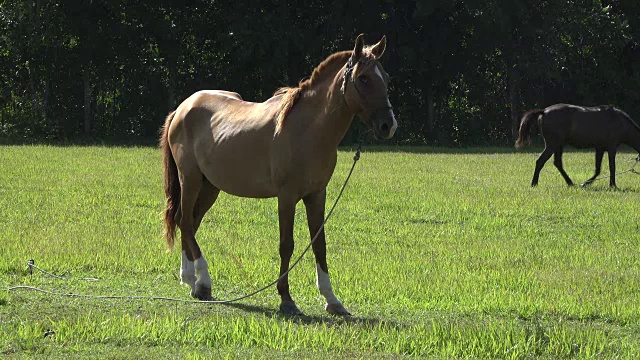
x: 603, y: 128
x: 285, y: 147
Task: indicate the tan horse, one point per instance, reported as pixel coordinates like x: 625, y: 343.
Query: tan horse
x: 285, y: 147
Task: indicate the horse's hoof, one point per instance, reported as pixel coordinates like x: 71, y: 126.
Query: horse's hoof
x: 337, y: 309
x: 290, y: 308
x: 202, y: 293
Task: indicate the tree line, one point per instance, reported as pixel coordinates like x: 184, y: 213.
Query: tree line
x: 462, y: 72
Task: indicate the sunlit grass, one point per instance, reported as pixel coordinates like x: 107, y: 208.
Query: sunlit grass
x: 436, y: 253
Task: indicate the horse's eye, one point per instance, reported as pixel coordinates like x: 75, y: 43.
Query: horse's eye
x: 363, y: 79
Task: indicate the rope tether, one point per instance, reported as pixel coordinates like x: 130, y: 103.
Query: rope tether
x: 31, y: 264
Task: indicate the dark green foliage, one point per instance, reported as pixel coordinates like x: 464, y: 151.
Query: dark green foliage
x: 463, y: 72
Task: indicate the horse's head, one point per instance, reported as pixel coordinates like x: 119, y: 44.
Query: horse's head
x: 365, y: 88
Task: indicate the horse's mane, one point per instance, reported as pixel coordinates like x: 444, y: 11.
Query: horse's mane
x: 320, y: 73
x: 292, y: 94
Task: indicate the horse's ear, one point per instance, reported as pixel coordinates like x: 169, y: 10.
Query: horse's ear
x: 378, y: 49
x: 357, y: 50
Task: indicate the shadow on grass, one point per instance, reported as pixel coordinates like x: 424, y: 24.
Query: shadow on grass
x: 409, y: 149
x: 597, y: 189
x: 432, y: 221
x: 328, y: 320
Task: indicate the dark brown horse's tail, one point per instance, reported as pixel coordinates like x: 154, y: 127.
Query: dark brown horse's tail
x: 524, y: 135
x: 171, y: 184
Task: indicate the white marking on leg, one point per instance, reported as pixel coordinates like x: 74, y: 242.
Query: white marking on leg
x: 324, y: 285
x: 202, y: 271
x: 187, y: 271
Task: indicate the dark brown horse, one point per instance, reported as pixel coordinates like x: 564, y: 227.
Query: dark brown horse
x: 285, y: 147
x: 603, y: 128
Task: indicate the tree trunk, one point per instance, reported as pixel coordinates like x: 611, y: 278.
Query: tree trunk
x: 171, y: 100
x: 430, y: 121
x: 37, y: 5
x: 48, y: 61
x: 513, y: 80
x: 172, y: 81
x: 35, y: 102
x: 47, y: 92
x: 87, y: 99
x: 33, y: 81
x: 171, y: 50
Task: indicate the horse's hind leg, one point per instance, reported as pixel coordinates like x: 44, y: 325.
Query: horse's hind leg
x: 599, y: 154
x: 206, y: 198
x: 542, y: 159
x: 191, y: 184
x: 557, y: 161
x: 314, y: 204
x: 611, y: 154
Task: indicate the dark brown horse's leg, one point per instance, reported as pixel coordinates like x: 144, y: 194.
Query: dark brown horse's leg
x: 611, y: 154
x: 286, y: 214
x: 557, y: 161
x: 191, y: 186
x: 599, y: 154
x: 314, y: 204
x: 542, y: 159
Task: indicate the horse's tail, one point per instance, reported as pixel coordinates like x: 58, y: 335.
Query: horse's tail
x: 171, y: 184
x: 524, y: 135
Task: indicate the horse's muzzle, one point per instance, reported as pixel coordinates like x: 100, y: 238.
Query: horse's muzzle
x: 384, y: 124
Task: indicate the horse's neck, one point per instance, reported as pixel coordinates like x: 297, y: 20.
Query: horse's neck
x: 333, y: 116
x: 633, y: 136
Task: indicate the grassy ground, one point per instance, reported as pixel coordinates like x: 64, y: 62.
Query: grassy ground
x: 436, y: 253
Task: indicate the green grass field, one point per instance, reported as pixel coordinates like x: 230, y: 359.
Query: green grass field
x: 437, y: 253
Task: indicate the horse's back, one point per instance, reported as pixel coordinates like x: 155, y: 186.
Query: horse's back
x: 221, y: 114
x: 582, y: 127
x: 229, y: 140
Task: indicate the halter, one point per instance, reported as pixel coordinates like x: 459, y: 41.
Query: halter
x: 350, y: 66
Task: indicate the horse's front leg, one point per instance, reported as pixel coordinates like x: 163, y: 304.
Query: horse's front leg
x: 286, y: 214
x: 314, y: 204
